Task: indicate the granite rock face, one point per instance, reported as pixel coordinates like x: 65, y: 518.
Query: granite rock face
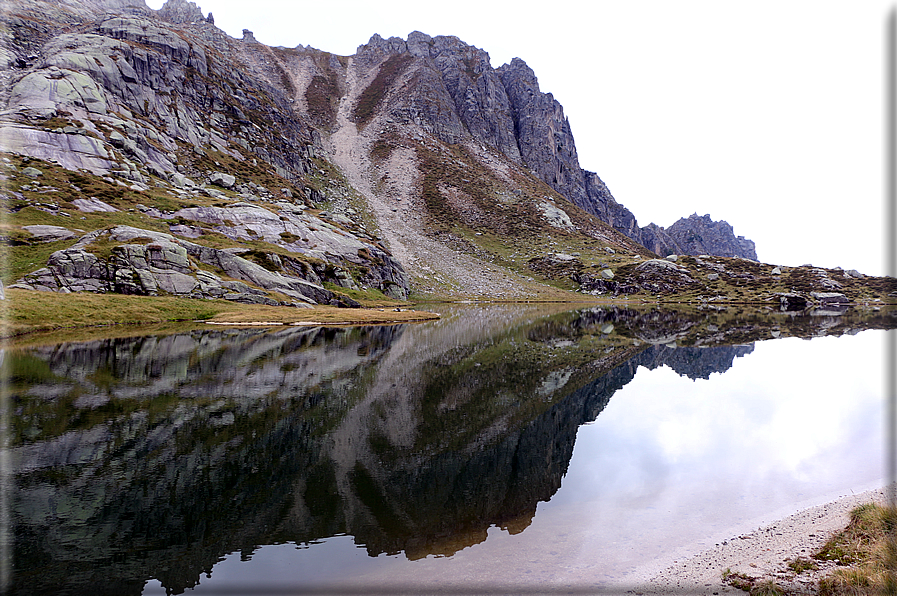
x: 149, y: 98
x: 450, y: 89
x: 322, y: 241
x: 140, y: 84
x: 543, y: 133
x: 153, y: 263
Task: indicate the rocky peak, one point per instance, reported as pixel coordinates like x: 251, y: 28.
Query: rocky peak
x: 455, y: 93
x: 520, y: 72
x: 419, y: 44
x: 543, y: 134
x: 479, y: 96
x: 701, y: 235
x: 697, y: 235
x: 181, y: 11
x: 377, y: 48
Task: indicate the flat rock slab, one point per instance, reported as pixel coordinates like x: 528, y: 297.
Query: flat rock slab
x: 43, y: 233
x: 93, y: 205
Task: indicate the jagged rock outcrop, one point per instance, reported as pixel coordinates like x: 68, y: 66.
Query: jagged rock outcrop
x: 162, y: 265
x: 697, y: 235
x: 702, y: 236
x: 328, y: 248
x: 455, y: 92
x: 478, y: 93
x: 543, y: 133
x: 602, y: 203
x: 181, y: 11
x: 657, y: 239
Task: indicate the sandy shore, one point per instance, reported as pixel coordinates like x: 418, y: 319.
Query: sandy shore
x: 762, y: 553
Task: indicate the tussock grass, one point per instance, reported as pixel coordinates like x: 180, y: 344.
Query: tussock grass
x: 869, y: 547
x: 801, y: 564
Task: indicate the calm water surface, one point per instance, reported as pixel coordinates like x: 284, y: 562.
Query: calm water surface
x: 504, y: 448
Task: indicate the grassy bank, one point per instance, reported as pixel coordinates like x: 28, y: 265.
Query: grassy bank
x: 868, y: 549
x: 26, y: 311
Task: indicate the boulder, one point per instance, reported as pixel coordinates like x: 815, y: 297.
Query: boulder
x: 829, y: 298
x: 556, y: 216
x: 223, y: 180
x: 658, y: 265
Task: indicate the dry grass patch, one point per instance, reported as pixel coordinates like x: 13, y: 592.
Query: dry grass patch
x: 868, y: 546
x: 27, y: 311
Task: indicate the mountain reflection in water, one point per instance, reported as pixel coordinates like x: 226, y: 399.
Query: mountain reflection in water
x: 155, y: 457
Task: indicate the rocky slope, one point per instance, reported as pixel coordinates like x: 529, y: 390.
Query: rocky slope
x: 123, y: 108
x: 412, y: 166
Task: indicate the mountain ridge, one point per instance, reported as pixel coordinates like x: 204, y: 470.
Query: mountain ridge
x: 409, y: 168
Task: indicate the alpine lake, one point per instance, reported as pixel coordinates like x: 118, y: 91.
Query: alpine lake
x: 509, y: 448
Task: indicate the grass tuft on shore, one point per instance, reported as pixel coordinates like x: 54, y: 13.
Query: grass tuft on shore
x: 868, y: 547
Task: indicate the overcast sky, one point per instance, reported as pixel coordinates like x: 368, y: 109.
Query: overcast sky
x: 768, y: 114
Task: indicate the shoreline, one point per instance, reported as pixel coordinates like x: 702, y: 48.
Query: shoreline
x: 762, y: 553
